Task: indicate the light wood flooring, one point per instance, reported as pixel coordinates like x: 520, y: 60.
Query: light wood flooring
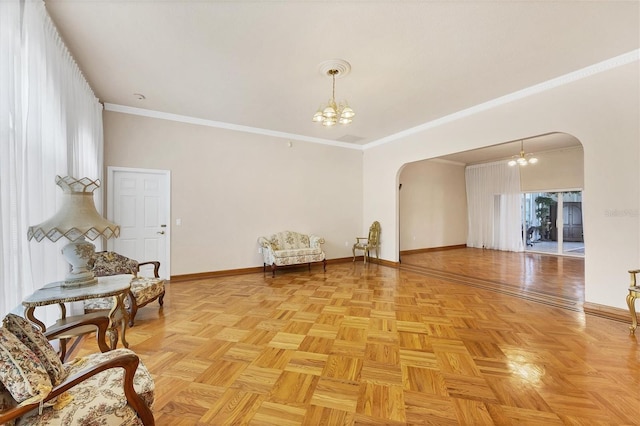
x: 431, y: 343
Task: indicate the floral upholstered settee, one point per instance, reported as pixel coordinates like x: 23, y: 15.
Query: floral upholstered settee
x: 291, y: 248
x: 37, y: 389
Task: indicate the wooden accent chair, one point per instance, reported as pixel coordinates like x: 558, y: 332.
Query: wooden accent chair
x: 371, y: 242
x: 89, y: 390
x: 634, y: 293
x: 144, y: 290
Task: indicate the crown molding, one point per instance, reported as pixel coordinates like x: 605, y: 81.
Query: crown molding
x: 221, y: 125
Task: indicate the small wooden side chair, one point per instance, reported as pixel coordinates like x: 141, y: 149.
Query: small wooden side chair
x: 634, y: 293
x: 371, y: 242
x: 144, y: 290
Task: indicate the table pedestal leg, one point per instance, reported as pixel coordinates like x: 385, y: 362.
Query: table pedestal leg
x: 118, y: 313
x: 29, y: 314
x: 112, y: 335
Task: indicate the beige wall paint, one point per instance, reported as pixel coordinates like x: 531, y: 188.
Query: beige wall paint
x: 560, y: 169
x: 227, y: 178
x: 602, y: 111
x: 229, y: 188
x: 433, y: 205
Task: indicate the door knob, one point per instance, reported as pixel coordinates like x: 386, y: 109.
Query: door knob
x: 161, y: 232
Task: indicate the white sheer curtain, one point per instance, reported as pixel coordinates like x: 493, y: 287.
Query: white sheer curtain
x: 50, y: 124
x: 494, y: 207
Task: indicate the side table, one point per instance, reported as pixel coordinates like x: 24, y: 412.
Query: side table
x: 116, y: 286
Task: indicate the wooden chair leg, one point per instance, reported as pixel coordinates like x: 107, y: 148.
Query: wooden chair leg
x: 631, y: 301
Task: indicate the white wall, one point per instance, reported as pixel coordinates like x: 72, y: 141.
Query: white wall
x: 558, y: 169
x: 602, y: 111
x: 433, y: 205
x: 229, y: 188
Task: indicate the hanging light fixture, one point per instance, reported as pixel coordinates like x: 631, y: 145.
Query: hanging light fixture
x: 334, y: 113
x: 522, y: 159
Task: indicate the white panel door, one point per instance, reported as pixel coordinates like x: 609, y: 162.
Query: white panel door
x: 138, y: 201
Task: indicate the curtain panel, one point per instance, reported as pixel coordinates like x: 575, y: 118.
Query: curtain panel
x: 494, y: 206
x: 50, y: 124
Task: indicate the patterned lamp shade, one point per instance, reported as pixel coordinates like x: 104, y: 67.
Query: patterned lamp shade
x: 76, y: 220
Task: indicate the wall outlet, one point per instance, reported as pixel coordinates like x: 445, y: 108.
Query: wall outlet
x: 346, y: 243
x: 259, y: 250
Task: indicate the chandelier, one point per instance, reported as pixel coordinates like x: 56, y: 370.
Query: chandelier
x: 334, y: 113
x: 522, y: 159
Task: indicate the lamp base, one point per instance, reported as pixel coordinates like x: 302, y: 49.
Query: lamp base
x: 67, y: 283
x: 78, y: 253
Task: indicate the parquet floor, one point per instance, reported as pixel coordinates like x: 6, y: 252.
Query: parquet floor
x: 554, y: 280
x: 369, y: 344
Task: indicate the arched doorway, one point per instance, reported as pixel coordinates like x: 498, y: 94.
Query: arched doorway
x: 429, y: 213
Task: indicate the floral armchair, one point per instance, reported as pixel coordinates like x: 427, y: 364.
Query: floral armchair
x: 291, y: 248
x: 36, y: 388
x: 144, y: 290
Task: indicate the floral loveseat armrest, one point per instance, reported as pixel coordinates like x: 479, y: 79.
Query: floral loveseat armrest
x: 291, y: 248
x: 315, y: 241
x: 90, y: 390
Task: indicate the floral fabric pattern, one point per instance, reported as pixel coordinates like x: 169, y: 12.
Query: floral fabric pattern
x: 111, y: 263
x: 21, y: 371
x: 291, y: 248
x: 29, y: 334
x: 99, y: 400
x: 142, y: 288
x: 145, y: 289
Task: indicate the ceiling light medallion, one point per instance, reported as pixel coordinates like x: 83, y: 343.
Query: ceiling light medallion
x: 333, y: 113
x: 522, y: 159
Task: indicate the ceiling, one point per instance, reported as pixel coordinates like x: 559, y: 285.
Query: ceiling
x: 256, y: 64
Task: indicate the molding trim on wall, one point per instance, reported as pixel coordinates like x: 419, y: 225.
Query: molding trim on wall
x: 605, y: 65
x: 214, y: 274
x: 259, y: 269
x: 430, y: 249
x: 221, y: 125
x: 382, y: 262
x: 608, y: 312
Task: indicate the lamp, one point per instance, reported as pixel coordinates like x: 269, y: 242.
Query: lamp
x: 522, y: 159
x: 76, y: 220
x: 334, y: 113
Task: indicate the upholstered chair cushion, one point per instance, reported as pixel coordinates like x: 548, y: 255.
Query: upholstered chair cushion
x: 143, y: 289
x: 146, y: 288
x: 99, y: 400
x: 21, y: 371
x: 29, y: 334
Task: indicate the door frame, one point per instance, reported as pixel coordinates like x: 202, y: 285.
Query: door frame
x: 559, y: 223
x: 111, y: 171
